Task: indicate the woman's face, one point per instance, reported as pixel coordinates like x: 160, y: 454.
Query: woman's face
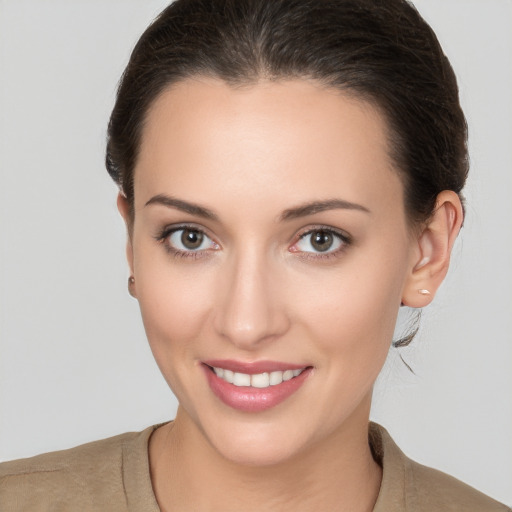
x: 269, y: 236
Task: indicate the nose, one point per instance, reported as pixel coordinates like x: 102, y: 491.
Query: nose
x: 250, y: 311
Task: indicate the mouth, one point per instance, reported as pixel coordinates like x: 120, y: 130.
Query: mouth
x: 257, y: 380
x: 248, y: 387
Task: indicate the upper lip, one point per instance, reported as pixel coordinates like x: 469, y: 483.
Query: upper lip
x: 253, y: 367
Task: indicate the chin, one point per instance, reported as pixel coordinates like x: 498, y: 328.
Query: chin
x: 256, y: 443
x: 246, y: 453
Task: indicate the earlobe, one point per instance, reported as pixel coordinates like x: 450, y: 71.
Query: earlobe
x: 431, y: 257
x: 131, y: 287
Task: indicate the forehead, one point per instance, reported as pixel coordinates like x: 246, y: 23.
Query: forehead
x: 291, y: 140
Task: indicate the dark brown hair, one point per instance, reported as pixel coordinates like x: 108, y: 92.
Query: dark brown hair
x: 380, y: 50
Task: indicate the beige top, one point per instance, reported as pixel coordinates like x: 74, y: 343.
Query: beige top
x: 113, y: 474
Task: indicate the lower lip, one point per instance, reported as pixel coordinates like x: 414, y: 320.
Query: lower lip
x: 249, y: 399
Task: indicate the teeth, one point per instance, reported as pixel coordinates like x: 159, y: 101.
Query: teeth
x: 275, y: 378
x: 241, y: 379
x: 258, y: 380
x: 288, y: 374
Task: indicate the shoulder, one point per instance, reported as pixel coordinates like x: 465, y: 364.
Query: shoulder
x: 434, y: 490
x: 410, y: 486
x: 79, y: 478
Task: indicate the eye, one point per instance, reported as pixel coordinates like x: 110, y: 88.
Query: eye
x: 187, y: 241
x: 321, y: 241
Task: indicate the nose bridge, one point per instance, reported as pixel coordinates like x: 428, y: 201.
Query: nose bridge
x: 250, y: 311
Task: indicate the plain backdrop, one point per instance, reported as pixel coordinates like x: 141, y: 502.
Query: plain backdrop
x: 74, y: 361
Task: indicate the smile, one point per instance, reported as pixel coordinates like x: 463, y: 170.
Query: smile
x: 258, y: 380
x: 254, y: 387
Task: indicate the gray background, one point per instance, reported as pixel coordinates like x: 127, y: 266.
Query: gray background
x: 74, y: 362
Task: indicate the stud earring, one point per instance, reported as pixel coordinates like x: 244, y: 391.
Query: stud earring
x: 131, y: 282
x: 424, y: 292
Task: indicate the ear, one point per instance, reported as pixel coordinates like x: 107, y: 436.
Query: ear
x: 124, y: 209
x: 431, y: 255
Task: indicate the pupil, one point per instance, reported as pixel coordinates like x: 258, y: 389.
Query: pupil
x: 191, y: 239
x: 321, y: 240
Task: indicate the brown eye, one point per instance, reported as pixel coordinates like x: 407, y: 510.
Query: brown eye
x: 321, y: 240
x: 188, y: 240
x: 191, y: 239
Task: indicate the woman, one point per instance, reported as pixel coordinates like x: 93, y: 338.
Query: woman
x: 290, y: 176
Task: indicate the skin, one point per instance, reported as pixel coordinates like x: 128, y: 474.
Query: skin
x: 260, y: 292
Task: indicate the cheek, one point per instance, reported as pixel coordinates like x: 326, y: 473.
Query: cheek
x: 355, y: 323
x: 351, y: 311
x: 175, y: 304
x: 175, y: 308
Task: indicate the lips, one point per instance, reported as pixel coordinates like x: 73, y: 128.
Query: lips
x: 256, y: 386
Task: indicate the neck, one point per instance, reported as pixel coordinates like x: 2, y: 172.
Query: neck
x: 337, y: 474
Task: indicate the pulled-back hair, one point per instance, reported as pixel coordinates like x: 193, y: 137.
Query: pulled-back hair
x: 379, y: 50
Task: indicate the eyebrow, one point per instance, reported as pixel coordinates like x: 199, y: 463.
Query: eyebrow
x: 184, y: 206
x: 320, y: 206
x: 288, y: 214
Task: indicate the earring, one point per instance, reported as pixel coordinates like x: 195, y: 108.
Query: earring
x: 131, y: 282
x: 424, y: 292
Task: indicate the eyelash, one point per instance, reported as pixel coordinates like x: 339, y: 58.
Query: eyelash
x: 345, y: 239
x: 168, y: 231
